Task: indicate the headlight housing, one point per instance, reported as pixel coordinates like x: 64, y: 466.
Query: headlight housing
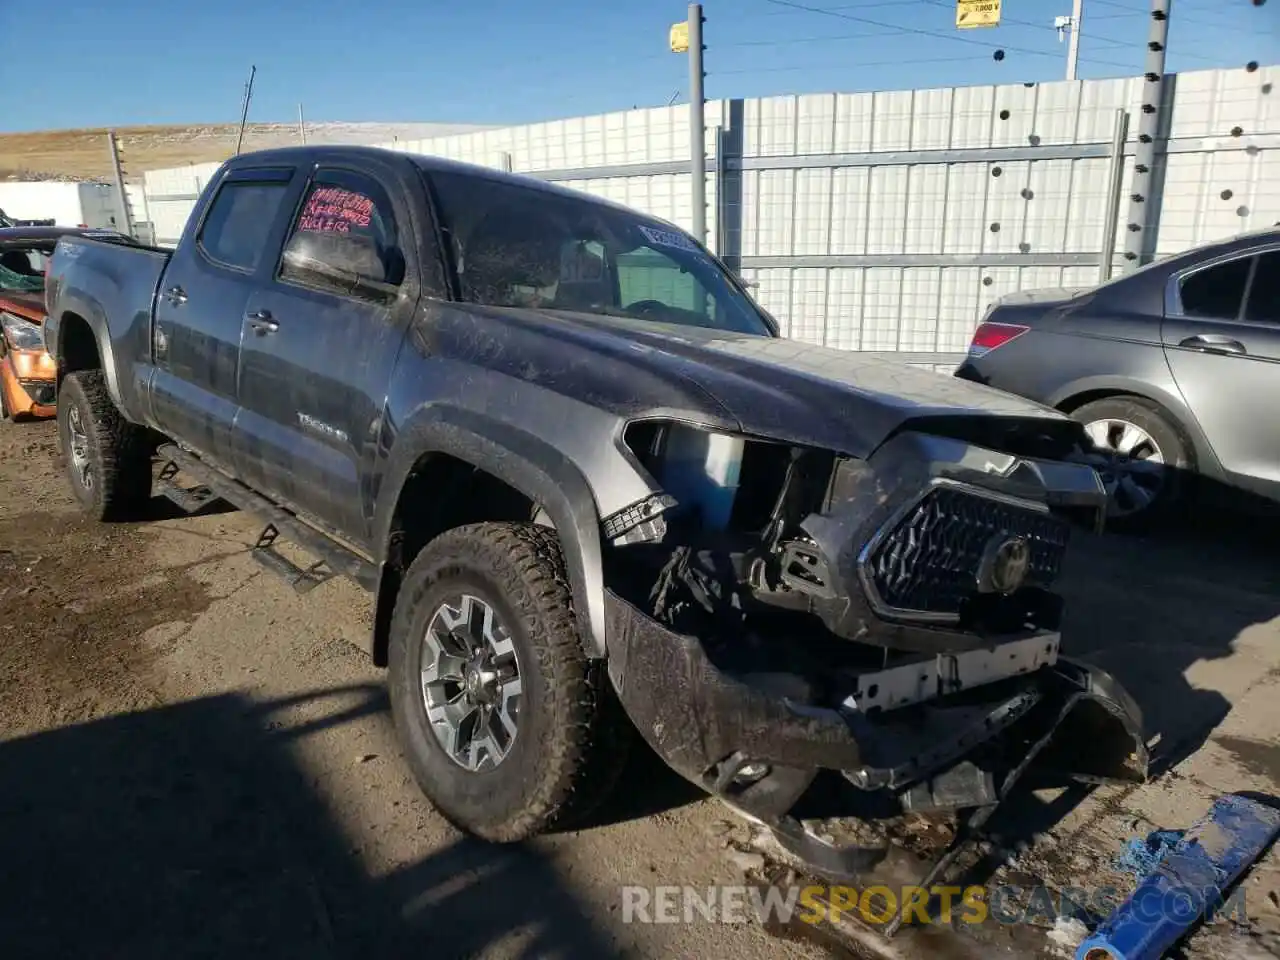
x: 21, y: 334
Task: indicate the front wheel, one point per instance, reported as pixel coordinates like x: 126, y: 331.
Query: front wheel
x: 1142, y: 456
x: 108, y: 463
x: 509, y: 728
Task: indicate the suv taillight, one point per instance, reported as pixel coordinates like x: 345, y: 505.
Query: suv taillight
x: 989, y: 336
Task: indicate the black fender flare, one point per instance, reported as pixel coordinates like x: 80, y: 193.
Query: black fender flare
x: 90, y: 312
x: 527, y: 464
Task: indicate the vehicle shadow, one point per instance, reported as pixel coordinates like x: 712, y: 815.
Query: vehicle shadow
x: 192, y: 831
x: 1165, y: 611
x: 646, y: 787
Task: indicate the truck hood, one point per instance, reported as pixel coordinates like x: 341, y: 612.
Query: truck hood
x: 774, y: 388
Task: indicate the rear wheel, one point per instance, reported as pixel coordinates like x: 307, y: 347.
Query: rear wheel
x: 508, y: 727
x: 1143, y: 457
x: 108, y: 460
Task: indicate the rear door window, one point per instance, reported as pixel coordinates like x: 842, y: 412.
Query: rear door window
x: 235, y: 231
x: 1216, y: 293
x: 1264, y: 292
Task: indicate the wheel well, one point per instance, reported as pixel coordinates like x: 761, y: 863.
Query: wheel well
x: 440, y: 493
x: 1072, y: 404
x: 77, y: 347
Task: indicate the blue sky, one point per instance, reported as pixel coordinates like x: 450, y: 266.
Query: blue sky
x: 497, y: 61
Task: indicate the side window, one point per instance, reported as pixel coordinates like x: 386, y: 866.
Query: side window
x: 1264, y: 294
x: 1216, y: 293
x: 236, y: 229
x: 647, y: 274
x: 344, y: 239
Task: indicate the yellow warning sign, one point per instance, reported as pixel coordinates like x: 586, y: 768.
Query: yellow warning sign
x: 680, y: 37
x: 977, y: 13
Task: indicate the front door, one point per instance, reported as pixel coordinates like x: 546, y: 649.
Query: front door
x: 321, y: 344
x: 1222, y: 339
x: 200, y: 308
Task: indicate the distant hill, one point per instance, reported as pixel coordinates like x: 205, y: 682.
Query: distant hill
x: 84, y: 154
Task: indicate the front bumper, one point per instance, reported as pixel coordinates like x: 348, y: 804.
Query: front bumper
x: 712, y: 727
x: 27, y: 378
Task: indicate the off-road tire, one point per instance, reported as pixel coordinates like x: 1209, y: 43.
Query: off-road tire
x: 118, y: 451
x: 573, y: 737
x: 1174, y: 445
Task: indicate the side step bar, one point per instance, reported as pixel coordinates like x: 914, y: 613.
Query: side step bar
x: 335, y: 559
x: 189, y: 500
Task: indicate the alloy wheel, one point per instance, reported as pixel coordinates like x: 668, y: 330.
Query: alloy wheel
x: 471, y: 684
x: 1130, y: 462
x: 79, y: 443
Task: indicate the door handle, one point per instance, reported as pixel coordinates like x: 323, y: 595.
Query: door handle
x: 1213, y: 343
x: 176, y: 295
x: 261, y: 322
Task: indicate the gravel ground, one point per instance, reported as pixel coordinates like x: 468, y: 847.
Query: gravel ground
x: 197, y: 762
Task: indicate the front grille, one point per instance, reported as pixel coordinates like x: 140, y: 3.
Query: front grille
x: 929, y: 562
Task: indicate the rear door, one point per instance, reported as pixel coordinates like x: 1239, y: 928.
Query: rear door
x: 200, y: 308
x: 322, y: 339
x: 1222, y: 339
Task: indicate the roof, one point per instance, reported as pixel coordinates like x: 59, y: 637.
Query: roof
x: 429, y: 164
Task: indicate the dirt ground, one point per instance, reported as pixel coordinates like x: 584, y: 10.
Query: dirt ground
x: 84, y: 154
x: 197, y: 762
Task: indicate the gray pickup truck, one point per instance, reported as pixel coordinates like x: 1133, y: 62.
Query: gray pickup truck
x: 581, y: 471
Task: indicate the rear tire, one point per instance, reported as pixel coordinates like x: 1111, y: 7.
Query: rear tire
x: 108, y: 459
x: 1140, y: 498
x: 570, y: 736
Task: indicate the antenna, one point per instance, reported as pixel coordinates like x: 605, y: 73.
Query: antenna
x: 244, y: 110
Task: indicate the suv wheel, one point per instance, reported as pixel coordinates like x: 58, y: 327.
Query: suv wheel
x: 107, y: 459
x: 1142, y: 456
x: 509, y: 729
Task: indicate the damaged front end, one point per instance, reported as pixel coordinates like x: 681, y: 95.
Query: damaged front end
x: 778, y: 614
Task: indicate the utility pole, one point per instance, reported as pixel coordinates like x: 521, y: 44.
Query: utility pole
x: 1071, y: 25
x: 244, y: 110
x: 697, y: 124
x: 302, y: 127
x: 687, y: 37
x: 1073, y: 43
x: 1137, y: 247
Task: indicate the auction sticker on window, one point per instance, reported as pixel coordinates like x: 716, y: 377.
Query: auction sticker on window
x: 669, y: 238
x: 334, y: 210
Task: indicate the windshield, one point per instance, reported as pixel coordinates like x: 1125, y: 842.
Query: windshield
x: 517, y: 246
x: 22, y: 271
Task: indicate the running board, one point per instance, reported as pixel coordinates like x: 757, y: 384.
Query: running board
x: 334, y: 558
x: 190, y: 500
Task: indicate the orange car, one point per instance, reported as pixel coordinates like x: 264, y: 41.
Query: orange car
x: 28, y: 379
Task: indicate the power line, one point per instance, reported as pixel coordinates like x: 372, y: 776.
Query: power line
x: 935, y: 35
x: 862, y: 63
x: 784, y: 43
x: 850, y: 6
x: 1179, y: 16
x: 1032, y: 24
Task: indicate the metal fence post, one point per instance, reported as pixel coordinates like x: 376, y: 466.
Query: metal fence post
x: 697, y: 125
x: 1119, y: 134
x: 125, y: 224
x: 1138, y: 246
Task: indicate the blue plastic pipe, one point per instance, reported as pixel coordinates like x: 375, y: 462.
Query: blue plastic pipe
x: 1189, y: 881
